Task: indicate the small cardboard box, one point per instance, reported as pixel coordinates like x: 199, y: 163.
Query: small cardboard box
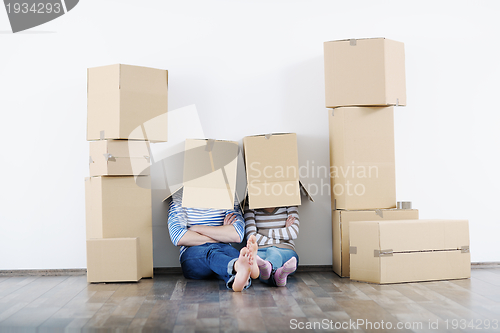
x: 119, y: 158
x: 118, y: 207
x: 272, y: 168
x: 113, y: 260
x: 409, y: 250
x: 362, y: 159
x: 209, y: 177
x: 127, y: 102
x: 364, y: 72
x: 340, y: 231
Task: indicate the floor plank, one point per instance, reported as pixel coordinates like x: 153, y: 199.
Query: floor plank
x: 311, y: 302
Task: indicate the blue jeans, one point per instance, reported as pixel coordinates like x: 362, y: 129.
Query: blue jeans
x: 277, y: 257
x: 210, y: 260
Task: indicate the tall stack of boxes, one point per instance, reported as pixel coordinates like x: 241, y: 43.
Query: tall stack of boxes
x: 127, y: 109
x: 364, y: 80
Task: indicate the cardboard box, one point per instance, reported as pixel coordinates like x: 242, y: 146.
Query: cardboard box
x: 272, y: 168
x: 209, y: 177
x: 362, y: 159
x: 409, y: 250
x: 119, y: 158
x: 340, y: 231
x: 364, y: 72
x: 127, y: 102
x: 113, y: 260
x: 118, y: 207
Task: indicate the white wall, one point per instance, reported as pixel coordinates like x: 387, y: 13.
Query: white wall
x: 249, y: 67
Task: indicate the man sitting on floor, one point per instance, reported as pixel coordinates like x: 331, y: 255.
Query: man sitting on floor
x: 204, y: 236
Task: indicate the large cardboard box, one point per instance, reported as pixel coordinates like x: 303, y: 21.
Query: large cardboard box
x: 209, y: 177
x: 362, y: 159
x: 272, y: 168
x: 113, y: 260
x: 340, y: 231
x: 364, y: 72
x: 127, y: 102
x: 409, y: 250
x: 117, y: 207
x: 118, y: 158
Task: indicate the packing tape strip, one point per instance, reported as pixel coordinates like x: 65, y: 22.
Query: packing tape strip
x: 403, y: 205
x: 268, y: 136
x: 108, y: 157
x: 91, y: 160
x: 383, y: 253
x: 352, y: 42
x: 210, y: 145
x: 101, y: 135
x: 465, y: 249
x: 379, y: 212
x: 353, y: 250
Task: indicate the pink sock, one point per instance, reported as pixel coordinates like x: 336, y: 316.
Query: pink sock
x: 282, y: 273
x: 265, y: 268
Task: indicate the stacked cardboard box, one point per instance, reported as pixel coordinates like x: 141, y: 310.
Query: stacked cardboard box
x: 127, y: 108
x: 364, y: 80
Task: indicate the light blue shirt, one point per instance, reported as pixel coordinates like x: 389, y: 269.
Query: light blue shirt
x: 180, y: 219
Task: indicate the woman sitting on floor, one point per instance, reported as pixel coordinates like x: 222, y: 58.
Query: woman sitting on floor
x: 275, y: 230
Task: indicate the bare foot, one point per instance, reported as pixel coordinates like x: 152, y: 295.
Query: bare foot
x: 243, y: 267
x: 253, y: 247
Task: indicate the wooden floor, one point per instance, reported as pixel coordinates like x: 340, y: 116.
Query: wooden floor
x: 320, y: 301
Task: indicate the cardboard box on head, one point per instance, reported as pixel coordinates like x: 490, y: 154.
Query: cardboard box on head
x: 409, y: 250
x: 272, y: 168
x: 364, y: 72
x: 119, y: 158
x: 209, y: 177
x: 127, y: 102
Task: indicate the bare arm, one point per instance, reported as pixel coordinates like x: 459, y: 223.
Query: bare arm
x: 225, y: 233
x: 193, y: 238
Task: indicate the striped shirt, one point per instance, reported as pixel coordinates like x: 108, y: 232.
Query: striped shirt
x: 269, y: 228
x: 180, y: 219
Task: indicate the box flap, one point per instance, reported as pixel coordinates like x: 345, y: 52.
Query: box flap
x: 209, y: 176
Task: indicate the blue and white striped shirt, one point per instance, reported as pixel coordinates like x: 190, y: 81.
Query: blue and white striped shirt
x: 181, y: 218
